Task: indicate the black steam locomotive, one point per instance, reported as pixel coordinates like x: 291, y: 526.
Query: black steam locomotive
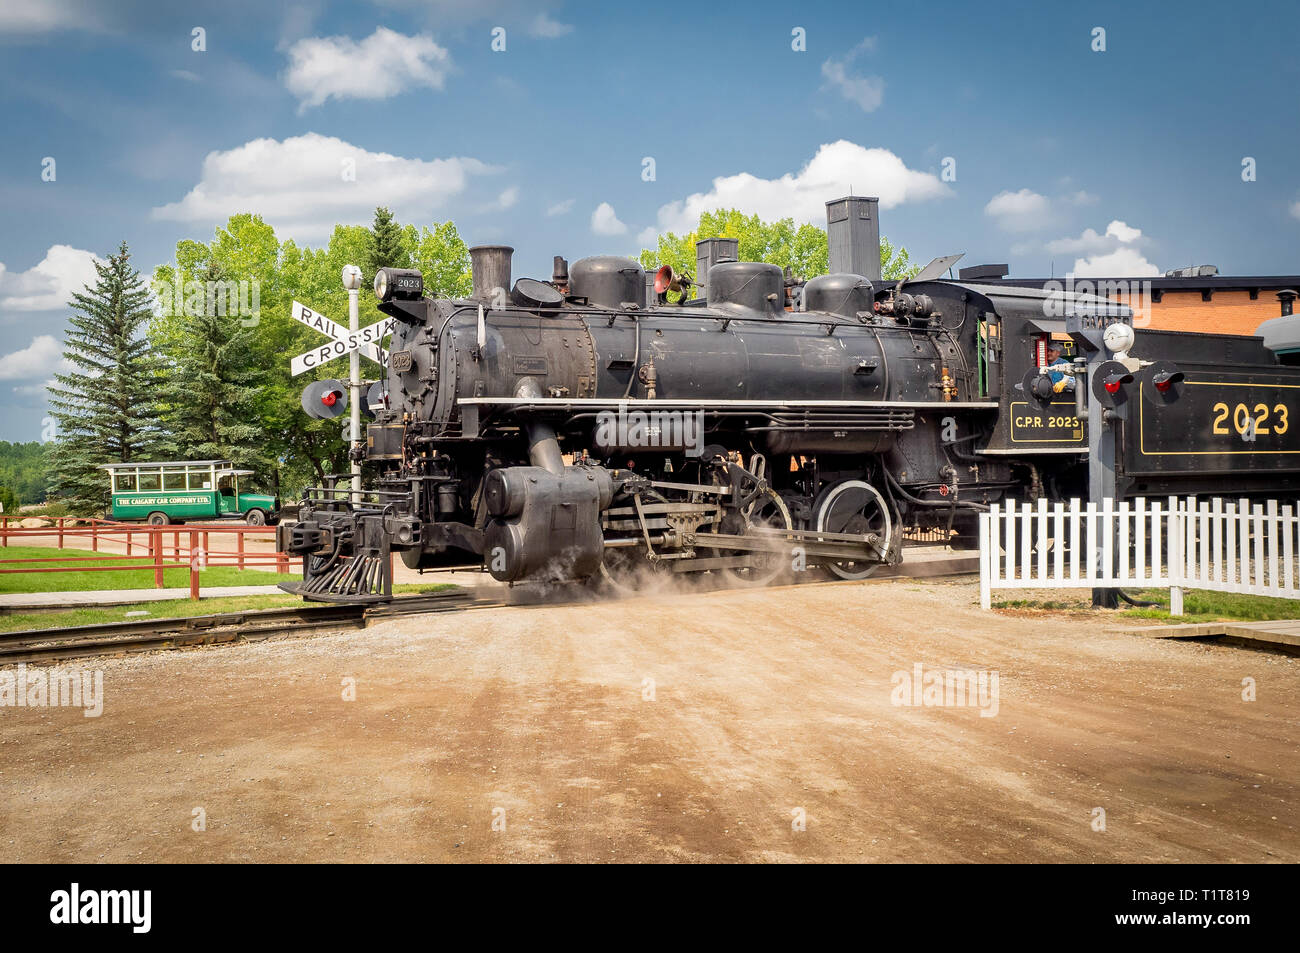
x: 585, y: 427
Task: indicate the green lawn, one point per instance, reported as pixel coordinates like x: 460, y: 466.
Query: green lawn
x: 1202, y: 606
x: 1198, y: 606
x: 115, y: 579
x: 169, y: 609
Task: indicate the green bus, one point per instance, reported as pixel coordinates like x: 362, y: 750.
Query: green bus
x: 180, y: 490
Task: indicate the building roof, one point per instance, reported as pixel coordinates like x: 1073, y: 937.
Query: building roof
x: 165, y: 463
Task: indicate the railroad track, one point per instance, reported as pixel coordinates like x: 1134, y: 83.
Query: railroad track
x: 147, y: 635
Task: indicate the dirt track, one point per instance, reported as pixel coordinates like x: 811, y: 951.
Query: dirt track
x: 764, y: 703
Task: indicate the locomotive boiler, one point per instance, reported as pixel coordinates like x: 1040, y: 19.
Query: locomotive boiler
x: 586, y: 427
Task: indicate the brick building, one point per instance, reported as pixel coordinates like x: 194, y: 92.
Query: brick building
x: 1192, y: 299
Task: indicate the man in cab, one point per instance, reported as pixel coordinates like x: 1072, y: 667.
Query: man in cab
x: 1060, y: 381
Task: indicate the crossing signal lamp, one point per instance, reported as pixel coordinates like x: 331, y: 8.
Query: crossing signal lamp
x: 1110, y: 383
x: 324, y: 400
x: 1162, y: 382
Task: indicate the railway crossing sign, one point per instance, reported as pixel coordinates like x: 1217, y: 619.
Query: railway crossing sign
x: 365, y: 341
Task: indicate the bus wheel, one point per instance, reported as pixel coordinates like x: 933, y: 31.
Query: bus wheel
x: 255, y: 518
x: 158, y: 519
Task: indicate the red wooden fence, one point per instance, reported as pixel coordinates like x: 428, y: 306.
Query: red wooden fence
x: 190, y: 547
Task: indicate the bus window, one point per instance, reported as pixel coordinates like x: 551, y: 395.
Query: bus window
x: 200, y: 480
x: 125, y: 482
x: 149, y: 481
x: 174, y: 480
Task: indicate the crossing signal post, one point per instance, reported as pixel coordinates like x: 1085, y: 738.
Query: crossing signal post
x: 1107, y: 381
x: 1102, y: 386
x: 326, y: 399
x: 352, y: 282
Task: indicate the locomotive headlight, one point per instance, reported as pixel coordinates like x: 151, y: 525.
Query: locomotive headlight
x: 1118, y: 338
x: 406, y: 284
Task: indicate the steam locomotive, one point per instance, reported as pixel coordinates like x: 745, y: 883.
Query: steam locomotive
x: 585, y: 427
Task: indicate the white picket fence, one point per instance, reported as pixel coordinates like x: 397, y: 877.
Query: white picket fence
x: 1173, y: 544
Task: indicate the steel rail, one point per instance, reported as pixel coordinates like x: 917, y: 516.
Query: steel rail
x: 143, y: 635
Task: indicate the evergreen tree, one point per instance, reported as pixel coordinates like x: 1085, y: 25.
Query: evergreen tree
x: 8, y: 502
x: 106, y: 405
x: 387, y: 249
x: 212, y: 379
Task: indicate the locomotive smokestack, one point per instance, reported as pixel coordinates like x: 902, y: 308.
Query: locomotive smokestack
x: 491, y: 267
x: 853, y: 229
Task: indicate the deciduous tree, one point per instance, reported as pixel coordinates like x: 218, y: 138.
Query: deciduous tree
x: 802, y: 248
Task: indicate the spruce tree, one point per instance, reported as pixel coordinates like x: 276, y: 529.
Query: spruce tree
x: 386, y: 247
x: 106, y: 405
x: 210, y: 393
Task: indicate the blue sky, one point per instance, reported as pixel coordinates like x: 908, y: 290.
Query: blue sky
x: 1122, y: 162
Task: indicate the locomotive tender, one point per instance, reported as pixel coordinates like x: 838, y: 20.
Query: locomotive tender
x: 586, y: 427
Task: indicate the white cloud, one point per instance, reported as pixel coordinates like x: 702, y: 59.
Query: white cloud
x: 505, y: 200
x: 547, y: 28
x: 1115, y: 254
x: 1022, y: 211
x: 605, y: 222
x: 30, y: 18
x: 560, y: 208
x: 867, y: 91
x: 47, y: 285
x: 1123, y: 262
x: 838, y: 169
x: 35, y: 390
x: 1081, y: 198
x: 38, y: 359
x: 1090, y: 242
x: 298, y: 185
x: 1295, y: 209
x: 1124, y: 233
x: 383, y: 64
x: 185, y: 75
